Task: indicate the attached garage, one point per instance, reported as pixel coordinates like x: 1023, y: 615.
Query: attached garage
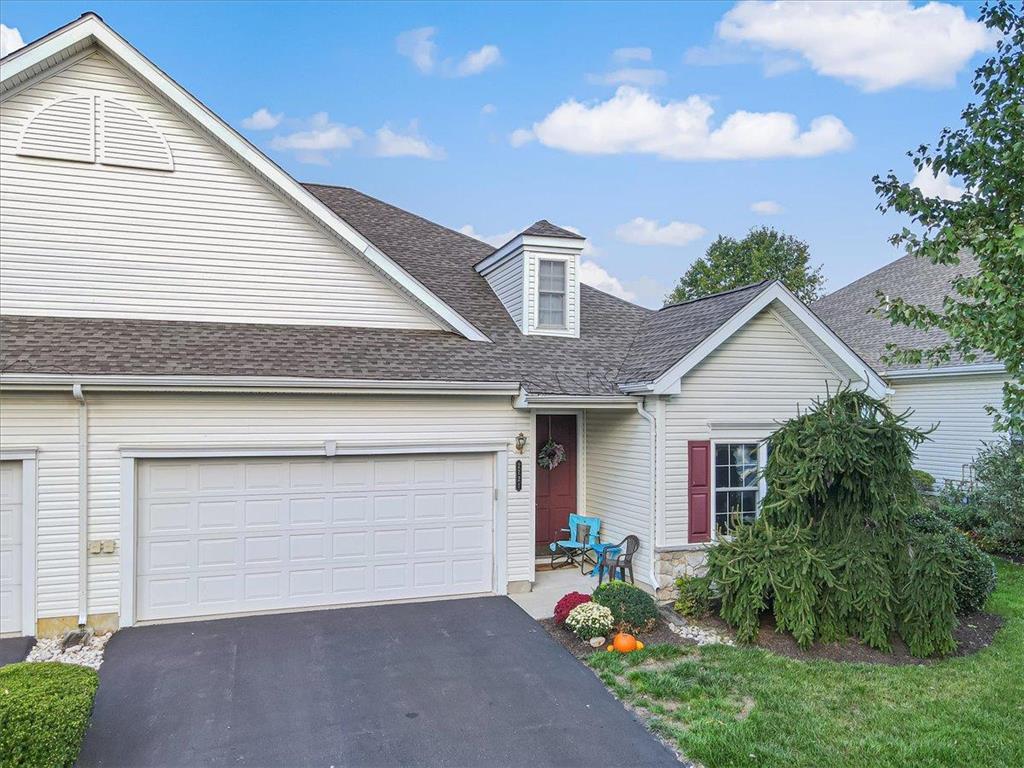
x: 222, y: 535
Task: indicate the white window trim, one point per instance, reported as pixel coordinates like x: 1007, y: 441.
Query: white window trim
x: 129, y: 470
x: 762, y: 486
x: 565, y: 294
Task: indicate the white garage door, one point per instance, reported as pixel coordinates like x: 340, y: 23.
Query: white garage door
x: 10, y: 546
x: 221, y: 536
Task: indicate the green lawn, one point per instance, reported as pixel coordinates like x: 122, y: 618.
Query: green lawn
x: 44, y: 711
x: 728, y: 706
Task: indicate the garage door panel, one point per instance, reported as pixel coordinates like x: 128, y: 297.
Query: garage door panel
x: 339, y: 530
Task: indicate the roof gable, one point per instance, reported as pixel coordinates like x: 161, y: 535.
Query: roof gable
x: 33, y: 61
x: 693, y: 330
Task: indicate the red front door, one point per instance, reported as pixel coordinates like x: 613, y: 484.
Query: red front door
x: 556, y: 488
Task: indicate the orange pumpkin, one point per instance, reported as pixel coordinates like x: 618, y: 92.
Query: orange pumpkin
x: 624, y: 643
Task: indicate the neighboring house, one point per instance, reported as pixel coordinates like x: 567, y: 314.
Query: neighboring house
x: 224, y: 391
x: 953, y: 395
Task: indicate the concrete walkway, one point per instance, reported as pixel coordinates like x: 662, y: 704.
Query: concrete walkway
x: 549, y: 588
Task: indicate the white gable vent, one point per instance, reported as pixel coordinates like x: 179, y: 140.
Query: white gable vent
x: 90, y: 128
x: 128, y: 138
x: 63, y: 130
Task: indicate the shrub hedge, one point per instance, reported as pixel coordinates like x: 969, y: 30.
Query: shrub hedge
x: 44, y: 711
x: 975, y: 572
x: 633, y: 610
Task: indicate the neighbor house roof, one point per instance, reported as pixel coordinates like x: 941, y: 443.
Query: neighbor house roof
x: 918, y: 281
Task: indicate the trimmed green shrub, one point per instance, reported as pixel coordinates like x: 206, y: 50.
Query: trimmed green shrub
x: 695, y: 596
x: 975, y: 572
x: 831, y: 554
x: 633, y: 610
x: 923, y: 481
x: 44, y: 711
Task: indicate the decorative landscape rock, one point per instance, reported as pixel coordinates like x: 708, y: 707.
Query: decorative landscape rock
x: 88, y: 654
x: 699, y: 635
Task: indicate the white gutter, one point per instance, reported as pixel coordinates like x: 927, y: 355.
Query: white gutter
x: 83, y: 504
x: 651, y: 490
x: 958, y: 370
x: 571, y: 401
x: 256, y: 383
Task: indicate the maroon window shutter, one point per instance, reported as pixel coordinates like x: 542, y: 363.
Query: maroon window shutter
x: 699, y: 457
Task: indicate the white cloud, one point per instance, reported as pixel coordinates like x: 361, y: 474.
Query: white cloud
x: 418, y: 46
x: 634, y: 121
x: 488, y: 109
x: 475, y: 62
x: 589, y: 249
x: 10, y: 40
x: 874, y: 45
x: 641, y: 231
x: 319, y: 137
x: 633, y: 75
x: 497, y: 239
x: 766, y: 207
x: 411, y: 144
x: 632, y: 54
x: 937, y: 185
x: 593, y: 274
x: 262, y: 120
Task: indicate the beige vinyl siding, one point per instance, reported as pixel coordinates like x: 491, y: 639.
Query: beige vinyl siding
x: 758, y: 376
x: 618, y: 480
x: 506, y: 280
x: 206, y: 241
x: 957, y: 405
x: 48, y: 422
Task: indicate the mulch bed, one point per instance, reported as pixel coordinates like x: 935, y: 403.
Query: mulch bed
x: 660, y: 635
x: 974, y: 632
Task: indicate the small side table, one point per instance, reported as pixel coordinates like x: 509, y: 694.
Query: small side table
x: 604, y: 553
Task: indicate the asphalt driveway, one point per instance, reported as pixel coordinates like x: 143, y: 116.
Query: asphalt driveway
x: 455, y: 683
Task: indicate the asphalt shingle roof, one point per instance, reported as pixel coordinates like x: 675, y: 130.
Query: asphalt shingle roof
x: 916, y: 280
x: 667, y: 335
x: 545, y: 228
x: 619, y: 342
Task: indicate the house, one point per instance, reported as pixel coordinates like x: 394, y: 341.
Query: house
x: 223, y: 391
x: 951, y: 397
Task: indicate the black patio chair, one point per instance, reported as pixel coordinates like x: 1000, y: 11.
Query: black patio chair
x: 618, y: 559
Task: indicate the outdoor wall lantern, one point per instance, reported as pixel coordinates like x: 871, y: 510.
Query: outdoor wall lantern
x: 520, y: 442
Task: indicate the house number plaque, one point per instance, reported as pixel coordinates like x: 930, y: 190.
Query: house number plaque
x: 519, y: 474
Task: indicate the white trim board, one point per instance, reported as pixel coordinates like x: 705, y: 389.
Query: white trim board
x: 89, y: 28
x: 29, y: 484
x: 128, y: 528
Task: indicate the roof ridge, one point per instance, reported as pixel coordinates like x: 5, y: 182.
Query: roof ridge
x: 716, y: 295
x: 393, y: 207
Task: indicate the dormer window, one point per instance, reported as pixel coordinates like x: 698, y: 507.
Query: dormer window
x: 552, y: 291
x: 536, y: 275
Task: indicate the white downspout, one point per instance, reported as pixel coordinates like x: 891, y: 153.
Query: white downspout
x: 651, y: 490
x: 83, y: 504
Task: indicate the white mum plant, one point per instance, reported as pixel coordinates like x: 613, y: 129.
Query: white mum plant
x: 590, y: 620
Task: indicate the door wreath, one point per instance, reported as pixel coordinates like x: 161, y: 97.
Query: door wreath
x: 550, y: 455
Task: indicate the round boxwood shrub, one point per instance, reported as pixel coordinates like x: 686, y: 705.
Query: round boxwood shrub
x: 975, y: 573
x: 633, y: 610
x: 695, y: 595
x: 567, y: 603
x: 44, y: 709
x: 589, y: 620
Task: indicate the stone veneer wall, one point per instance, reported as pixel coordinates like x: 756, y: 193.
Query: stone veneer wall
x: 676, y: 562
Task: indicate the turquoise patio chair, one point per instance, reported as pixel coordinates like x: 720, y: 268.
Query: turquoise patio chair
x: 584, y: 534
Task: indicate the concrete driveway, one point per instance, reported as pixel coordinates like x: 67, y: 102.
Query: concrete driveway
x: 456, y: 683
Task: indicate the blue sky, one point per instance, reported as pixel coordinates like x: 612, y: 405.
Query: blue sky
x: 492, y: 115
